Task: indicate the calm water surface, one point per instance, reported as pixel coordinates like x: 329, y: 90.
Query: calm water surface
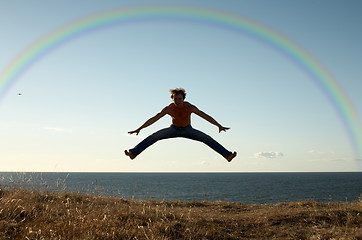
x: 232, y: 187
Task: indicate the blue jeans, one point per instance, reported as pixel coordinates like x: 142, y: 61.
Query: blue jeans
x: 186, y: 132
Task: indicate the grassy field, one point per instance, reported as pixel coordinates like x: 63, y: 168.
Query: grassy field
x: 26, y: 214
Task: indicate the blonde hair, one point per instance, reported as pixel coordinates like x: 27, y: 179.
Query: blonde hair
x: 178, y: 91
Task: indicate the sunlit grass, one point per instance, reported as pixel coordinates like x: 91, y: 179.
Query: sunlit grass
x: 29, y: 213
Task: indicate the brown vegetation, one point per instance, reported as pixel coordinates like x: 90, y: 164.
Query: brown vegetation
x: 26, y: 214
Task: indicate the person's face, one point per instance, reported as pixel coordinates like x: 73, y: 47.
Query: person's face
x: 178, y: 99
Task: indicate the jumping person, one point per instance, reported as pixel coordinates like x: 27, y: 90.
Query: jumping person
x: 180, y: 112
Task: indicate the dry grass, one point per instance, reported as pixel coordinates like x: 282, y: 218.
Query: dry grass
x: 29, y: 214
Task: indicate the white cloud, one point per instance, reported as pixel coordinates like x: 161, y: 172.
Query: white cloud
x: 56, y: 129
x: 205, y: 163
x: 268, y: 154
x: 319, y: 152
x: 326, y: 159
x: 202, y: 163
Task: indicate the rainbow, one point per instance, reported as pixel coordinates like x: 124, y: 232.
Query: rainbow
x: 315, y: 71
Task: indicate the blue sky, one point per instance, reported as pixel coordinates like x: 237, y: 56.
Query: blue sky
x: 79, y: 101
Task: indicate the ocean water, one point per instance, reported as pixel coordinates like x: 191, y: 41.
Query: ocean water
x: 233, y: 187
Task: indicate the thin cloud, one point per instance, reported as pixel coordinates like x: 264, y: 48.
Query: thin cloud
x: 202, y: 163
x: 332, y: 159
x: 57, y: 129
x: 268, y: 154
x: 205, y: 163
x: 319, y: 152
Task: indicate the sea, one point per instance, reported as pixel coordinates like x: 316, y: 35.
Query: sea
x: 249, y: 188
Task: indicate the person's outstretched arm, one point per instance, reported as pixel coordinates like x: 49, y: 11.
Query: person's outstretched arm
x: 150, y: 121
x: 208, y: 118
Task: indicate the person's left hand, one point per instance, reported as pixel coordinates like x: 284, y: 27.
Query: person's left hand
x: 221, y: 128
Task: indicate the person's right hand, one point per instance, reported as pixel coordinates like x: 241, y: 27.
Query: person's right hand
x: 137, y: 131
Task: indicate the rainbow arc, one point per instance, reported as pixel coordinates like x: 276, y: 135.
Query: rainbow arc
x: 315, y: 71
